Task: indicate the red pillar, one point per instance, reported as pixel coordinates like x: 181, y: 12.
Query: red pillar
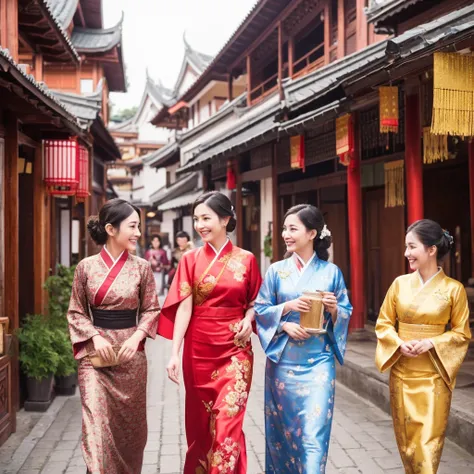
x: 354, y: 210
x: 413, y: 161
x: 471, y: 194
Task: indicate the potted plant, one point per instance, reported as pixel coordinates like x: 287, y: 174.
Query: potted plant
x: 39, y: 360
x: 59, y: 291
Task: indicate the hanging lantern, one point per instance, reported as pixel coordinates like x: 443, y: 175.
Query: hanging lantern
x: 83, y: 186
x: 394, y: 183
x: 453, y: 95
x: 231, y: 182
x: 345, y: 139
x: 435, y: 147
x: 388, y: 102
x: 61, y: 166
x: 297, y: 152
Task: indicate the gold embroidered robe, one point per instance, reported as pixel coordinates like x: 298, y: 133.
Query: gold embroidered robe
x: 421, y: 387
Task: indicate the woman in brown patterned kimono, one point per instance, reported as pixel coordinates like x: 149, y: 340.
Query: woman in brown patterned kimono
x: 113, y: 308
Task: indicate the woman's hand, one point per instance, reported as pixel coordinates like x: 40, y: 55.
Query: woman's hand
x: 295, y: 331
x: 244, y: 330
x: 407, y: 349
x: 173, y: 369
x: 422, y: 346
x: 330, y: 302
x: 104, y: 349
x: 129, y: 347
x: 300, y: 304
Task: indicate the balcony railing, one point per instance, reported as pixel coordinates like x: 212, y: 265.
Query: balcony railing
x: 309, y: 62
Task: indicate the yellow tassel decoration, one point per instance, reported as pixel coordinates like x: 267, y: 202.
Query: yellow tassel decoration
x: 435, y: 147
x: 394, y: 183
x: 388, y: 103
x: 453, y: 95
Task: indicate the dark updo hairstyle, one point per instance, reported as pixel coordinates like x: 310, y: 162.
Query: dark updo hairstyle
x: 431, y: 234
x: 183, y: 234
x: 113, y: 212
x: 312, y: 218
x: 220, y: 204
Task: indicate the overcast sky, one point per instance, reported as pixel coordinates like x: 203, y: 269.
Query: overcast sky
x: 153, y: 36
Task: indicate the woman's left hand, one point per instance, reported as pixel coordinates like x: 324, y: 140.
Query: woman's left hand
x: 129, y: 347
x: 244, y: 330
x: 422, y: 346
x: 330, y: 302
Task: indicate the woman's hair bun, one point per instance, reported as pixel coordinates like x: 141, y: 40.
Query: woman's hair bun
x: 96, y: 230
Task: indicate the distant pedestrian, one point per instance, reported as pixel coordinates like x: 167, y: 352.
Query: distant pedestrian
x: 210, y: 305
x: 300, y: 372
x: 113, y: 308
x: 413, y: 341
x: 159, y: 262
x: 183, y: 245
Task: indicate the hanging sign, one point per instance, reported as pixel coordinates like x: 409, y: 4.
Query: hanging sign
x: 297, y: 152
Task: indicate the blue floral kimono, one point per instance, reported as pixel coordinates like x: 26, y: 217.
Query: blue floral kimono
x: 300, y: 375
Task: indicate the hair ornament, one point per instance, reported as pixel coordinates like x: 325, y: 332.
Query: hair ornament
x: 325, y: 232
x: 449, y: 237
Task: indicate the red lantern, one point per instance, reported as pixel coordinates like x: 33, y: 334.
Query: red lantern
x: 61, y: 166
x: 83, y: 187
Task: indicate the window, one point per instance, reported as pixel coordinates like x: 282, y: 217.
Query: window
x: 87, y: 86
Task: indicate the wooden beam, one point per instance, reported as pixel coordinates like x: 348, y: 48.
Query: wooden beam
x: 39, y: 67
x: 80, y: 14
x: 12, y: 27
x: 327, y: 32
x: 230, y: 91
x: 11, y: 222
x: 249, y: 80
x: 291, y: 54
x: 280, y: 61
x: 3, y: 23
x: 24, y: 139
x: 275, y: 206
x: 341, y: 30
x: 361, y: 25
x: 41, y: 232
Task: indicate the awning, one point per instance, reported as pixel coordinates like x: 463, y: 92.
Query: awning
x: 237, y: 142
x: 184, y: 185
x: 181, y: 201
x: 165, y: 156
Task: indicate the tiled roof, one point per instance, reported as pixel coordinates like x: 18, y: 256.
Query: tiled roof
x: 43, y: 92
x: 381, y: 9
x: 90, y: 40
x: 85, y: 107
x: 197, y: 59
x: 157, y: 158
x: 184, y: 185
x: 63, y: 10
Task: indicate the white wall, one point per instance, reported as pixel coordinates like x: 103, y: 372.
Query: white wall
x: 167, y: 224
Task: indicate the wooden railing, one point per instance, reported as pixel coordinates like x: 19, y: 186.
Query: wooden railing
x: 264, y: 88
x: 309, y: 62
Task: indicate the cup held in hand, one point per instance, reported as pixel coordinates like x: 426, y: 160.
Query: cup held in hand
x: 313, y: 320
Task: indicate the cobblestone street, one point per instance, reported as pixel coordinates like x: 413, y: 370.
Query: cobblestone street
x: 362, y: 437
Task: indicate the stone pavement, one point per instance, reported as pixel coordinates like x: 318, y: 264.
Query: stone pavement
x: 362, y: 437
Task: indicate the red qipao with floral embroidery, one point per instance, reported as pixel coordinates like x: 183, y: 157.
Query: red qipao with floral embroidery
x: 217, y: 368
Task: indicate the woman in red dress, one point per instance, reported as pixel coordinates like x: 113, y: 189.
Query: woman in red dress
x: 210, y: 306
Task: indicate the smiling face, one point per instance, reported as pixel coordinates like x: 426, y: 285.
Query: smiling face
x: 208, y: 224
x: 126, y: 237
x: 296, y: 236
x: 418, y: 255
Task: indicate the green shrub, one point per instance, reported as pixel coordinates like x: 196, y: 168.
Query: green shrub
x: 67, y: 365
x: 38, y: 355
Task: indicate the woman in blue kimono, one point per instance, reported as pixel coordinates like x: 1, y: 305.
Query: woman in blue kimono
x: 300, y: 371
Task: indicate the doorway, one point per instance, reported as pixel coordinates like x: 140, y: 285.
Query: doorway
x: 251, y: 217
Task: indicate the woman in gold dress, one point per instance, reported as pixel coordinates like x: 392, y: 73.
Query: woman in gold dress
x: 424, y: 355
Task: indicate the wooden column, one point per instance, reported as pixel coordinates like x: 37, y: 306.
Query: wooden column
x: 275, y: 205
x: 471, y: 195
x: 341, y: 30
x: 291, y: 55
x: 354, y: 211
x: 11, y: 28
x: 11, y: 189
x: 239, y: 211
x: 413, y: 160
x: 361, y: 25
x: 249, y: 80
x: 39, y: 67
x: 230, y: 88
x: 41, y: 231
x: 143, y: 228
x: 327, y: 33
x: 280, y: 61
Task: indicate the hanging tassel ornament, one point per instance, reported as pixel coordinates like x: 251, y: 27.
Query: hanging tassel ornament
x: 344, y: 139
x: 435, y: 147
x: 453, y: 95
x: 388, y: 103
x: 231, y: 185
x: 394, y: 183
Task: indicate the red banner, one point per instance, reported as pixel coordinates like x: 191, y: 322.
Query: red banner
x: 297, y: 152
